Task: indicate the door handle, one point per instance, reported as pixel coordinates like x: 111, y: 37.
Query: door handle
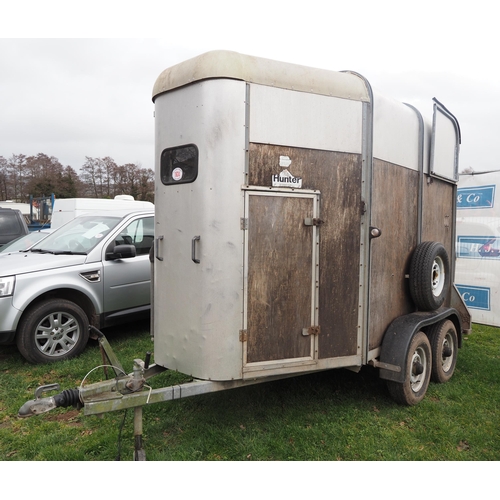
x: 193, y: 249
x: 157, y: 247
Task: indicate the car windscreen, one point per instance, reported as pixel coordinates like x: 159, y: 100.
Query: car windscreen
x: 78, y: 236
x: 23, y: 242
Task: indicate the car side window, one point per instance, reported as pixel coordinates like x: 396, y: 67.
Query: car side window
x: 139, y: 233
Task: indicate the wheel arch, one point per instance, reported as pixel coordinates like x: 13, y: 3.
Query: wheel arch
x: 397, y: 339
x: 76, y: 296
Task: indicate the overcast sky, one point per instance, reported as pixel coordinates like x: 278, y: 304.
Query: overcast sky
x: 74, y: 84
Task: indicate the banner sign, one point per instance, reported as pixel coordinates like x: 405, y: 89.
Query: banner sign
x: 475, y: 297
x: 476, y: 197
x: 478, y: 246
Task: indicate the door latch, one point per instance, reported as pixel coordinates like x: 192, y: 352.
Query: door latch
x: 312, y: 330
x: 308, y: 221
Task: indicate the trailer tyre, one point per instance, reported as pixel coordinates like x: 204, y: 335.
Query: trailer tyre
x: 418, y: 372
x: 53, y: 330
x: 429, y: 275
x: 444, y: 344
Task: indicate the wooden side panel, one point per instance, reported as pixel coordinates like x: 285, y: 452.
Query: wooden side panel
x: 438, y: 213
x: 437, y: 224
x: 279, y: 278
x: 338, y: 178
x: 394, y: 211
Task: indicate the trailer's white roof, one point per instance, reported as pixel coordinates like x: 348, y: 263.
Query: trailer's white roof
x: 227, y: 64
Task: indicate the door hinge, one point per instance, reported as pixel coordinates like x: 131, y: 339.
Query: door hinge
x: 308, y: 221
x: 312, y: 330
x: 243, y: 224
x: 243, y: 335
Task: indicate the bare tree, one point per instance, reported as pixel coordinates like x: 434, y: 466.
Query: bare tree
x: 108, y: 168
x: 146, y: 185
x: 92, y: 177
x: 42, y: 175
x: 3, y: 178
x: 16, y: 167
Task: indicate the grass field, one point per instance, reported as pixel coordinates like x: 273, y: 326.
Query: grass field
x: 331, y: 416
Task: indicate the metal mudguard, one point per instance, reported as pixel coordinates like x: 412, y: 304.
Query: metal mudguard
x: 397, y: 338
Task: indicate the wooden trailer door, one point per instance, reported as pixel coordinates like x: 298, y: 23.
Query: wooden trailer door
x: 281, y: 276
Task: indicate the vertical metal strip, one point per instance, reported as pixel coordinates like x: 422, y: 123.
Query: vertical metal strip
x: 366, y: 196
x: 453, y: 256
x: 365, y: 253
x: 247, y: 133
x: 245, y: 214
x: 315, y: 277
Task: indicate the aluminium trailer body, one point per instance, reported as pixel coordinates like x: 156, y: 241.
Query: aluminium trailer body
x: 290, y: 203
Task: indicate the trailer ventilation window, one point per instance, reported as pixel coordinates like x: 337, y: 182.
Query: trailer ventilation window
x: 179, y: 165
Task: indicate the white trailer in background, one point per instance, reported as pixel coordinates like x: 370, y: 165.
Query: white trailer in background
x: 304, y: 222
x: 24, y: 208
x: 69, y: 208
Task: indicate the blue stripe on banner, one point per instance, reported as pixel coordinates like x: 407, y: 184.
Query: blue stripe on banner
x: 475, y: 297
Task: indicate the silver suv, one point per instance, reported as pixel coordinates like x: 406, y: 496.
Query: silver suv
x: 93, y: 270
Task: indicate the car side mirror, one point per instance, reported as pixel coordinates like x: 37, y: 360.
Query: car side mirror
x: 121, y: 252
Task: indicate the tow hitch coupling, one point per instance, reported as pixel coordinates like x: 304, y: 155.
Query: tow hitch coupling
x: 39, y: 405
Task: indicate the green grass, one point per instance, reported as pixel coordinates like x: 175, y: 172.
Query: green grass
x: 330, y: 416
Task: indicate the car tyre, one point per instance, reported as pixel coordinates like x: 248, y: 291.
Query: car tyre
x: 53, y: 330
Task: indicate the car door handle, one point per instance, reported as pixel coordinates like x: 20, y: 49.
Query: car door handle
x: 193, y: 249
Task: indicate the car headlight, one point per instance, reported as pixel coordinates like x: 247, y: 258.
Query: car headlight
x: 7, y: 286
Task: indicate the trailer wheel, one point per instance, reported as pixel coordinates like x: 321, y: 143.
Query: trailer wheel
x: 429, y: 275
x: 53, y: 330
x: 444, y: 344
x: 418, y: 373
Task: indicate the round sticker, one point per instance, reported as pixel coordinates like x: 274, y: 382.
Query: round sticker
x: 177, y: 174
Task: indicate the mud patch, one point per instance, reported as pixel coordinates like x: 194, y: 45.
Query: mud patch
x: 70, y: 417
